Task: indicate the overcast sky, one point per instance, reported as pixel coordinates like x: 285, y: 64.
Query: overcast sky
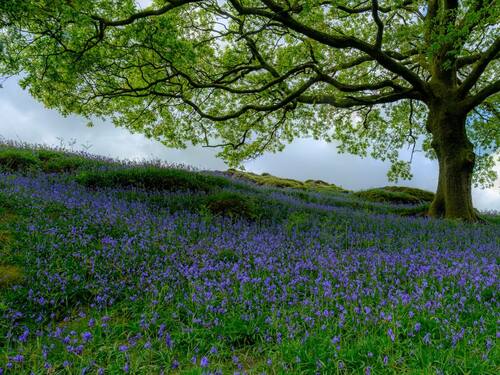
x: 24, y: 119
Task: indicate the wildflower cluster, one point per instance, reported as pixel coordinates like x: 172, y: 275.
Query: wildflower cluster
x: 114, y: 285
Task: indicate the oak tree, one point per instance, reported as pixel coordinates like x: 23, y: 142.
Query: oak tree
x: 251, y: 75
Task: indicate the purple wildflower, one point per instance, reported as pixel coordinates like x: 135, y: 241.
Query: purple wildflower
x: 18, y: 358
x: 168, y: 341
x: 427, y: 339
x: 86, y: 336
x: 175, y: 364
x: 204, y: 362
x: 391, y: 334
x: 24, y: 336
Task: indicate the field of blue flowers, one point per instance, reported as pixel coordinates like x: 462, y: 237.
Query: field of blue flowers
x: 124, y: 279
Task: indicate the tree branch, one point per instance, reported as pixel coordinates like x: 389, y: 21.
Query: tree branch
x: 478, y: 69
x: 278, y: 13
x: 483, y: 94
x: 380, y: 24
x: 359, y: 10
x: 277, y: 80
x: 145, y: 13
x: 467, y: 60
x: 360, y: 87
x: 351, y: 101
x: 250, y: 107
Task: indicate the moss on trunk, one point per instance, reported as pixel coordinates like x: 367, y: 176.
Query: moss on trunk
x: 456, y: 158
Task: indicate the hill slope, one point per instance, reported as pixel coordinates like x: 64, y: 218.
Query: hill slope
x: 110, y: 268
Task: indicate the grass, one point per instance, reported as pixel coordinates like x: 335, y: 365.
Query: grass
x: 234, y: 205
x: 152, y: 178
x: 265, y: 179
x: 397, y: 195
x: 129, y: 269
x: 30, y: 160
x: 421, y: 195
x: 18, y: 160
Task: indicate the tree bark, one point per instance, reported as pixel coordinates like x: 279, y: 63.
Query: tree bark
x: 456, y: 159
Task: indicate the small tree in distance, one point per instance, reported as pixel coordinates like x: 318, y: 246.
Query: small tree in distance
x: 374, y: 75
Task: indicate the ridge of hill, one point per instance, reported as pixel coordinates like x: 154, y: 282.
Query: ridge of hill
x: 105, y: 172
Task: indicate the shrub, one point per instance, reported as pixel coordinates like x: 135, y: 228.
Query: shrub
x: 423, y: 195
x: 65, y: 164
x: 233, y: 205
x: 18, y: 160
x: 152, y: 178
x: 396, y: 194
x: 46, y: 155
x: 51, y: 161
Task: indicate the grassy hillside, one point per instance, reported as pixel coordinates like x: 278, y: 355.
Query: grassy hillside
x: 109, y: 267
x: 266, y: 179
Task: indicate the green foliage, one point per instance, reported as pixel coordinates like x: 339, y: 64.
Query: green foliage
x: 234, y: 205
x: 396, y: 194
x: 492, y: 218
x: 24, y: 159
x: 150, y: 177
x: 64, y: 165
x: 227, y: 255
x: 418, y: 210
x: 298, y: 221
x: 422, y: 195
x: 344, y: 72
x: 47, y: 154
x: 18, y: 160
x: 60, y: 162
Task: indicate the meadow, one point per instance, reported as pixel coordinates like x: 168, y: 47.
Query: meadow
x: 111, y: 268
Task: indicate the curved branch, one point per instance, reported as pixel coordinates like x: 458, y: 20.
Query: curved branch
x: 279, y: 79
x: 250, y: 107
x: 479, y: 68
x: 278, y: 13
x: 361, y: 87
x: 351, y: 101
x: 145, y: 13
x: 473, y: 101
x: 467, y: 60
x: 359, y: 10
x: 380, y: 24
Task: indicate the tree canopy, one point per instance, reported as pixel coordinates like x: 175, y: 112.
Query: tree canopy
x: 252, y: 75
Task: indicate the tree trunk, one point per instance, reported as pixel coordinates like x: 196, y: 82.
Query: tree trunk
x: 456, y: 158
